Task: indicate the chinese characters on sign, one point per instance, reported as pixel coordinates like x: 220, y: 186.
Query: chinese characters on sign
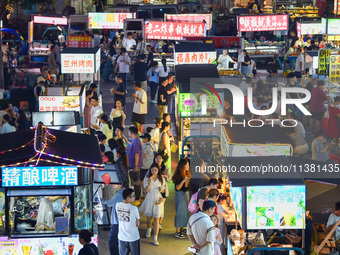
x: 39, y: 176
x: 173, y: 30
x: 79, y: 41
x: 334, y: 69
x: 195, y: 57
x: 190, y: 18
x: 59, y: 103
x: 50, y: 20
x: 101, y: 20
x: 262, y: 23
x: 324, y: 56
x: 80, y: 63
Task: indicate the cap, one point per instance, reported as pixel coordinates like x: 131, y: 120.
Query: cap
x: 146, y: 135
x: 40, y: 79
x: 53, y: 75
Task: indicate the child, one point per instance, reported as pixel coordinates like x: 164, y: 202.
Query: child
x: 153, y: 205
x: 222, y: 208
x: 213, y: 195
x: 217, y: 248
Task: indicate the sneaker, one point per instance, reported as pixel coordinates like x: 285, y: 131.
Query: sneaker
x: 155, y: 241
x: 184, y: 232
x: 153, y: 102
x: 179, y: 235
x: 136, y: 203
x: 160, y: 226
x: 148, y: 233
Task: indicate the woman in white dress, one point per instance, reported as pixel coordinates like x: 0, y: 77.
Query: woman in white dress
x: 153, y: 205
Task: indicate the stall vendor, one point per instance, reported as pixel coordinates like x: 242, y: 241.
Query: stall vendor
x: 45, y: 219
x: 224, y: 60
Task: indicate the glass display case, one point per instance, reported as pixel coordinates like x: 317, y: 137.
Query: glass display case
x: 264, y: 49
x: 39, y: 211
x: 82, y: 207
x: 299, y: 12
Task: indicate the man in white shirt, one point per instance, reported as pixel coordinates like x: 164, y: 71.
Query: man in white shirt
x: 129, y: 43
x: 96, y: 111
x: 141, y: 48
x: 123, y: 63
x: 299, y: 64
x: 128, y: 221
x: 140, y: 105
x: 332, y: 220
x: 201, y: 230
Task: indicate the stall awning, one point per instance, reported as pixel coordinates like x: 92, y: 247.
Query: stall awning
x: 194, y: 47
x: 186, y: 72
x: 239, y: 134
x: 69, y: 148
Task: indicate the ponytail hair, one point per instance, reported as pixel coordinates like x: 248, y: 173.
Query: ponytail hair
x: 105, y: 118
x: 164, y: 64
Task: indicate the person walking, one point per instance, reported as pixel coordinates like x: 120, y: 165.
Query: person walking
x: 147, y: 157
x: 164, y: 144
x: 155, y: 133
x: 85, y: 237
x: 317, y: 106
x: 153, y: 205
x: 135, y: 162
x: 117, y: 115
x: 52, y: 64
x: 96, y: 111
x: 162, y: 98
x: 201, y: 230
x: 153, y: 79
x: 129, y: 220
x: 299, y: 65
x: 119, y: 92
x: 123, y: 65
x: 140, y: 69
x: 140, y: 105
x: 181, y: 179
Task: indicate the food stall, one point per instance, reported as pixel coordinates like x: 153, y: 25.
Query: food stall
x: 324, y: 57
x: 39, y: 50
x: 46, y: 190
x: 333, y: 34
x: 245, y: 141
x: 262, y: 51
x: 299, y: 12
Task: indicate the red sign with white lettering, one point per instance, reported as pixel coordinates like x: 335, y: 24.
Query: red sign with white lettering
x: 173, y: 30
x: 262, y: 23
x: 190, y: 18
x: 77, y: 41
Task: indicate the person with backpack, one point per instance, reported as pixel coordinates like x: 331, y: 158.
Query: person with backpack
x: 181, y: 179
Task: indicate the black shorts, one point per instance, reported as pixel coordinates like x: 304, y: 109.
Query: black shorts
x: 140, y: 118
x: 317, y: 115
x: 143, y: 173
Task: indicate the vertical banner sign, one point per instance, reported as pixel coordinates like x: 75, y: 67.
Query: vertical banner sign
x: 30, y: 31
x: 324, y: 56
x: 334, y: 68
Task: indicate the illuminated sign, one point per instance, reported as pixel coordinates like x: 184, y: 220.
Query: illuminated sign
x: 195, y: 57
x: 189, y: 18
x: 39, y: 176
x: 77, y: 41
x: 50, y: 20
x: 262, y: 23
x: 80, y: 63
x: 30, y: 31
x: 59, y: 103
x: 333, y: 26
x: 334, y: 69
x: 173, y: 30
x: 100, y: 20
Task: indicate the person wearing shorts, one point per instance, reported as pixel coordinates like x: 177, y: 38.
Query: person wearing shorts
x: 148, y: 156
x: 140, y: 104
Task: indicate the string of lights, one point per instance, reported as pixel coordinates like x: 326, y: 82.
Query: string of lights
x: 18, y: 148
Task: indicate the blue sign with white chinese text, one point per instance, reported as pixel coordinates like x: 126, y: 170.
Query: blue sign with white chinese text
x: 39, y: 176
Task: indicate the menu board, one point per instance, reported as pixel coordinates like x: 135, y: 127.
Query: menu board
x: 236, y: 196
x: 324, y: 60
x: 192, y: 104
x: 334, y: 69
x: 37, y: 246
x: 333, y: 26
x: 276, y: 207
x: 312, y: 28
x: 77, y: 41
x: 59, y: 103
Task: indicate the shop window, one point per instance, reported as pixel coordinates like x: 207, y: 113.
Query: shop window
x: 44, y: 212
x: 82, y: 208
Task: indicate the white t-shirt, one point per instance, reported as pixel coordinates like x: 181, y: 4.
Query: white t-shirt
x: 127, y: 218
x: 155, y: 137
x: 297, y: 63
x: 141, y: 47
x: 95, y: 112
x: 138, y: 107
x: 333, y: 219
x: 123, y: 67
x: 128, y: 43
x: 7, y: 128
x: 116, y: 115
x: 203, y: 229
x: 161, y: 72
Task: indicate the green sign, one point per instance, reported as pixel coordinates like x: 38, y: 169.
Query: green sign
x: 324, y: 60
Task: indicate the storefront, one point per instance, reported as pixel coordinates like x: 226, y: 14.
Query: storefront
x: 46, y: 192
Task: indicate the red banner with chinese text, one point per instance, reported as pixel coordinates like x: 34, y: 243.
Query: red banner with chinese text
x: 173, y: 30
x: 262, y: 23
x: 77, y: 41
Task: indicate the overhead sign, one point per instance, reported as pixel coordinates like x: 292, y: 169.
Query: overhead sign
x: 333, y: 26
x: 59, y: 103
x: 262, y: 23
x: 190, y: 18
x: 195, y: 57
x: 101, y: 20
x: 77, y: 41
x: 39, y: 176
x: 119, y: 10
x: 224, y: 41
x: 334, y: 69
x: 80, y: 63
x: 50, y: 20
x: 173, y: 30
x: 313, y: 28
x: 324, y: 56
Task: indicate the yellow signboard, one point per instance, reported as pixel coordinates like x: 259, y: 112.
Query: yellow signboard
x: 334, y: 68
